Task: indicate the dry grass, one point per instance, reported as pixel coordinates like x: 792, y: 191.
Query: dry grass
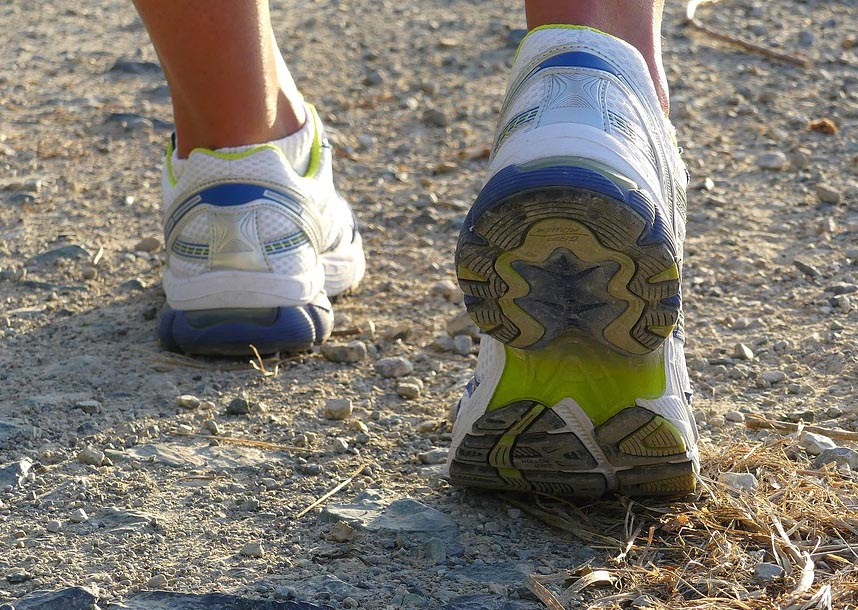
x: 702, y: 554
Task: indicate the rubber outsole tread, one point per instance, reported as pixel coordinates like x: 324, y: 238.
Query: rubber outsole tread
x: 547, y: 456
x: 231, y: 332
x: 567, y: 210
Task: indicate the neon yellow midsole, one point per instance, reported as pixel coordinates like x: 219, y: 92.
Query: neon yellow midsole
x: 601, y: 381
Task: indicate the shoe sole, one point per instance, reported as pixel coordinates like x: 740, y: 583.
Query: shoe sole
x: 557, y: 246
x: 563, y: 421
x: 287, y: 330
x: 231, y: 332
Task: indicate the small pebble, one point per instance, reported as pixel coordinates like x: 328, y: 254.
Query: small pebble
x: 394, y: 367
x: 768, y: 572
x: 338, y: 408
x: 463, y: 344
x: 148, y: 244
x: 773, y: 377
x: 449, y: 290
x: 18, y: 577
x: 827, y: 194
x: 90, y: 407
x: 734, y: 416
x: 743, y: 352
x: 92, y: 456
x: 339, y: 445
x: 353, y: 351
x: 54, y: 526
x: 774, y: 161
x: 815, y: 444
x: 839, y: 456
x: 358, y: 425
x: 434, y: 456
x: 342, y: 532
x: 435, y: 117
x: 79, y: 516
x: 252, y: 549
x: 408, y: 390
x: 239, y: 406
x: 187, y: 401
x: 643, y: 601
x: 806, y: 268
x: 843, y: 302
x: 462, y: 324
x: 739, y: 481
x: 443, y: 343
x: 159, y: 581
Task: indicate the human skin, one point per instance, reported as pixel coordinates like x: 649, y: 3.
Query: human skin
x: 230, y: 85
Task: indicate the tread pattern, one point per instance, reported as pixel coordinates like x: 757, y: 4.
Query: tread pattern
x: 551, y: 250
x: 230, y: 332
x: 526, y: 446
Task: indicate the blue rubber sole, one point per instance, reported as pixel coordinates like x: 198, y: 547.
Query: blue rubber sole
x: 555, y: 248
x: 231, y: 332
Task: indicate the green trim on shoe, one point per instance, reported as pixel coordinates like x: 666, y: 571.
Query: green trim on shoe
x: 235, y: 156
x: 558, y: 26
x: 601, y: 381
x: 316, y: 150
x: 170, y: 176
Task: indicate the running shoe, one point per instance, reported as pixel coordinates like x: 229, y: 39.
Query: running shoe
x: 254, y: 250
x: 570, y: 261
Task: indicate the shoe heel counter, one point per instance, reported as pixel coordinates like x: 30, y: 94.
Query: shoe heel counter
x: 234, y: 240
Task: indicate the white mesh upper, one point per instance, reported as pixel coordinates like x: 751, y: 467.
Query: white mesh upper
x: 185, y: 267
x: 289, y: 231
x: 196, y: 230
x: 296, y: 262
x: 273, y: 226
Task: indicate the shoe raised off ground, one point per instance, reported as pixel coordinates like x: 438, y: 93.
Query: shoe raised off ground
x: 570, y: 261
x: 254, y: 250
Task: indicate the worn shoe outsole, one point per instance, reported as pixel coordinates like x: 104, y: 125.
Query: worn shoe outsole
x: 580, y: 431
x: 558, y: 246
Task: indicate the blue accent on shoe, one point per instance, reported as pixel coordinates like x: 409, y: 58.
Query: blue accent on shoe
x: 229, y: 195
x: 674, y: 302
x: 578, y: 59
x: 514, y: 179
x: 230, y: 332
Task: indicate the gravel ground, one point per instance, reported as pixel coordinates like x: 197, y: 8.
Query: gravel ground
x: 109, y: 481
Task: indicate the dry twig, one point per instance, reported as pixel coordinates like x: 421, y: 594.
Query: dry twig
x: 755, y: 422
x: 348, y: 480
x: 702, y: 555
x: 691, y: 19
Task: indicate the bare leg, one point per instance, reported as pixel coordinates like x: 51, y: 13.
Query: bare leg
x: 638, y: 22
x: 227, y: 78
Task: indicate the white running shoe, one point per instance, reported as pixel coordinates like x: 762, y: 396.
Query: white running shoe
x: 254, y: 250
x: 570, y: 260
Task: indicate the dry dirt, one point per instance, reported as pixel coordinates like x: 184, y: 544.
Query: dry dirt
x: 771, y: 263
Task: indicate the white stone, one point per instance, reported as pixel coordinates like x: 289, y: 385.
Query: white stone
x: 79, y: 516
x: 739, y: 481
x: 815, y: 444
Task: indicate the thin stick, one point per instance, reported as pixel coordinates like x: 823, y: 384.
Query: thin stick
x: 756, y: 422
x: 348, y: 480
x: 691, y: 19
